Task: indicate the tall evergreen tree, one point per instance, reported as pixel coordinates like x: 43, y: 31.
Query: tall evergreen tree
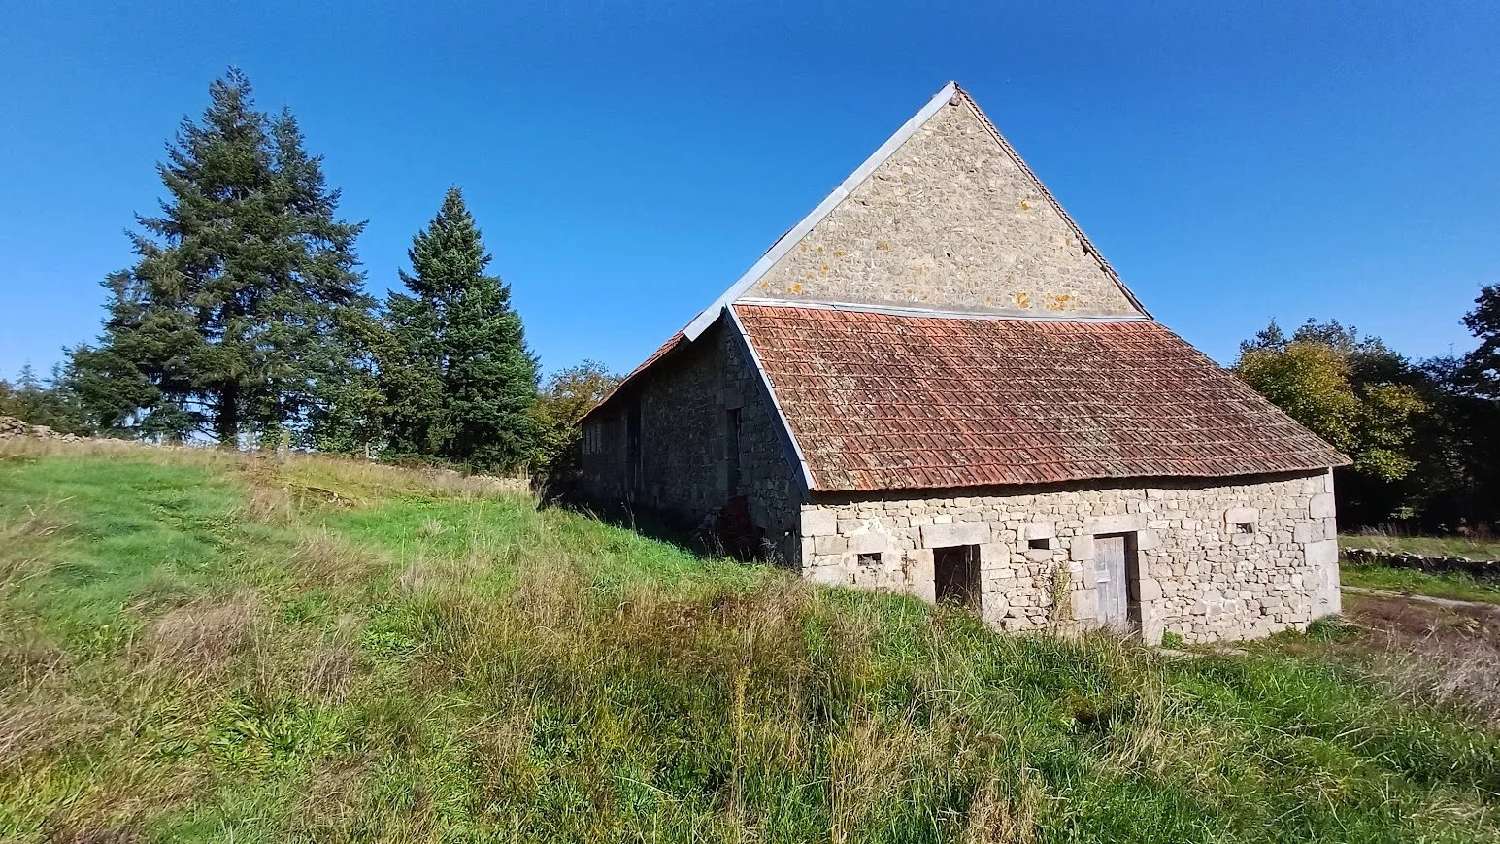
x: 232, y: 320
x: 458, y: 379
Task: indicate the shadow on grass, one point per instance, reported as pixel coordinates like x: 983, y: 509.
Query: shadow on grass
x: 707, y: 538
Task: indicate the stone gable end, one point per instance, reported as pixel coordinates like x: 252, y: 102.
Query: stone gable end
x: 951, y: 220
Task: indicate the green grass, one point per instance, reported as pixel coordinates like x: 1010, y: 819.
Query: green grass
x: 195, y: 647
x: 1456, y: 585
x: 1441, y: 546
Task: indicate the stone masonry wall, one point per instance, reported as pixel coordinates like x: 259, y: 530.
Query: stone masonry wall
x: 950, y: 221
x: 1202, y: 575
x: 684, y: 441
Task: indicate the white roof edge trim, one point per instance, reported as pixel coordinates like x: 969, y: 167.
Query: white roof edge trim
x: 765, y: 380
x: 794, y: 236
x: 927, y: 313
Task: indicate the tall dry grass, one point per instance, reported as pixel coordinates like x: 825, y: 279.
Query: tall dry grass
x: 353, y: 657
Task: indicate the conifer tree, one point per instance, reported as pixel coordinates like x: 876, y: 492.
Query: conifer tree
x: 458, y: 379
x: 231, y: 321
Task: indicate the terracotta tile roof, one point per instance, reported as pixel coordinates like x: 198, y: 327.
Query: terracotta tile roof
x: 878, y: 401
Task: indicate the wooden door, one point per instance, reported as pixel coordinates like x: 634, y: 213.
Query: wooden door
x: 1109, y: 580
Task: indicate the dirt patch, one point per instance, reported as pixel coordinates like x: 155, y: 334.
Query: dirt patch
x: 1398, y: 619
x: 1445, y: 652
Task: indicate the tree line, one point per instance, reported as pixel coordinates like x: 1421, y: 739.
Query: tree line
x: 1423, y: 435
x: 244, y: 321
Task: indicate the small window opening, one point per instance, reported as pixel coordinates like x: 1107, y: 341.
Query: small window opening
x: 1039, y: 544
x: 1244, y: 527
x: 868, y: 559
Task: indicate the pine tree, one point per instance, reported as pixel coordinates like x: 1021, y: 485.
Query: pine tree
x: 232, y: 319
x: 459, y: 381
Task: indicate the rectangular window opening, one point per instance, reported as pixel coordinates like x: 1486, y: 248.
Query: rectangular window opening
x: 955, y: 575
x: 868, y: 559
x: 1244, y: 527
x: 1039, y: 544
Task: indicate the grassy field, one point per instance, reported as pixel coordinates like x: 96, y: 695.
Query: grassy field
x: 1457, y: 585
x: 204, y: 647
x: 1486, y: 548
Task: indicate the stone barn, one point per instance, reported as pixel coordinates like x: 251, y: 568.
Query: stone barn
x: 935, y: 384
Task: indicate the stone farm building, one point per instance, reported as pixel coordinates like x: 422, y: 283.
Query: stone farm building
x: 935, y: 384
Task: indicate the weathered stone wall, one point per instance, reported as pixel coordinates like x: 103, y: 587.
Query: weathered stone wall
x: 951, y: 221
x: 685, y: 467
x: 1200, y: 575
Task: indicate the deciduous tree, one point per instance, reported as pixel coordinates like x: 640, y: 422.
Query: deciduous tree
x: 570, y: 394
x: 1355, y: 393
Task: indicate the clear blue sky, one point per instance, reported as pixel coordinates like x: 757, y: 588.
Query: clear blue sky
x: 1294, y: 160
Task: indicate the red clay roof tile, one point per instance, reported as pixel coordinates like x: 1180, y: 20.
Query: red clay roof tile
x: 879, y: 401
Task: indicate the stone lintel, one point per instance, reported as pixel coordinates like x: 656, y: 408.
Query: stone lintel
x: 1241, y: 515
x: 962, y: 533
x: 1041, y: 530
x: 1124, y: 523
x: 867, y: 543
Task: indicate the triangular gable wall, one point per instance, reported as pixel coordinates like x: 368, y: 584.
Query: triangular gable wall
x: 945, y: 216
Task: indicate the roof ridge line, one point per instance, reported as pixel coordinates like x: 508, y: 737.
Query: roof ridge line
x: 934, y: 313
x: 795, y: 234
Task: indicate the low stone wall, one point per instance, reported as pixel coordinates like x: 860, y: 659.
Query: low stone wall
x: 1216, y: 560
x: 12, y: 428
x: 1488, y: 569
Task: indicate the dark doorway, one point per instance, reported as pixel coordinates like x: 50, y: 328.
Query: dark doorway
x: 955, y: 575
